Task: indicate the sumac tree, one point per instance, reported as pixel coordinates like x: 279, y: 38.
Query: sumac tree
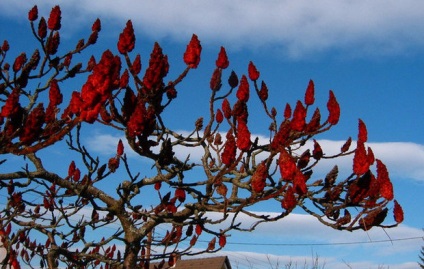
x: 96, y: 215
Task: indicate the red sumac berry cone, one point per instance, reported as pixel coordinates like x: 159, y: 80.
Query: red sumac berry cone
x: 398, y: 212
x: 289, y: 201
x: 19, y: 62
x: 97, y: 26
x: 120, y: 148
x: 222, y: 240
x: 54, y: 19
x: 253, y: 72
x: 222, y: 61
x: 180, y: 194
x: 243, y: 90
x: 287, y: 111
x: 299, y: 115
x: 386, y: 187
x: 228, y: 156
x: 259, y: 178
x: 310, y: 93
x: 42, y: 28
x: 360, y: 159
x: 333, y: 109
x: 226, y: 108
x: 263, y: 92
x: 233, y: 80
x: 219, y: 116
x: 192, y: 53
x: 33, y: 13
x: 136, y: 65
x: 346, y: 145
x: 362, y: 131
x: 287, y: 166
x: 126, y: 40
x: 243, y: 136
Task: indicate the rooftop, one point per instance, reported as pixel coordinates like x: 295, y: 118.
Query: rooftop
x: 220, y: 262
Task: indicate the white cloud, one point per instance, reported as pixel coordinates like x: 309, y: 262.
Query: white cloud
x: 298, y: 28
x: 304, y: 234
x: 404, y: 160
x: 106, y: 144
x: 253, y: 260
x: 280, y: 243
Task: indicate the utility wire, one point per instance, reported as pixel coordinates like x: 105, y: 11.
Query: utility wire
x: 326, y: 244
x: 295, y: 244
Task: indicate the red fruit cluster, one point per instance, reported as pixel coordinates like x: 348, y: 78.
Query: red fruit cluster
x: 19, y: 62
x: 73, y: 172
x: 263, y: 92
x: 299, y: 117
x: 229, y: 154
x: 252, y: 71
x: 219, y: 117
x: 32, y: 128
x: 113, y: 164
x: 333, y: 109
x: 120, y: 148
x: 258, y: 179
x: 55, y: 99
x: 180, y: 194
x: 42, y: 28
x: 136, y: 66
x: 226, y: 108
x: 95, y: 28
x: 222, y: 61
x: 54, y: 19
x: 243, y: 90
x: 289, y: 200
x: 317, y: 152
x: 295, y: 124
x: 287, y: 111
x: 243, y: 136
x: 397, y: 212
x: 233, y: 80
x: 386, y: 186
x: 157, y: 70
x: 33, y: 14
x: 97, y: 89
x: 215, y: 83
x: 287, y: 165
x: 192, y: 53
x: 142, y: 120
x: 362, y: 132
x: 11, y: 106
x: 310, y: 94
x: 361, y: 162
x: 123, y: 81
x: 53, y: 43
x: 126, y: 41
x: 362, y: 159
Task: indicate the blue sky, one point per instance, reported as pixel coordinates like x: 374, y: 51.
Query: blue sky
x: 370, y: 53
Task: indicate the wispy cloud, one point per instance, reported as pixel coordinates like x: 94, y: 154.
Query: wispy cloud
x: 297, y: 28
x: 254, y: 260
x: 298, y: 233
x: 304, y: 234
x: 245, y: 260
x: 405, y: 160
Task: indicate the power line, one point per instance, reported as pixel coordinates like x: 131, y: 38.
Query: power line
x: 326, y: 244
x: 301, y: 244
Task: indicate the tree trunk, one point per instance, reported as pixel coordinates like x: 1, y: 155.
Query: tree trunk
x: 132, y: 250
